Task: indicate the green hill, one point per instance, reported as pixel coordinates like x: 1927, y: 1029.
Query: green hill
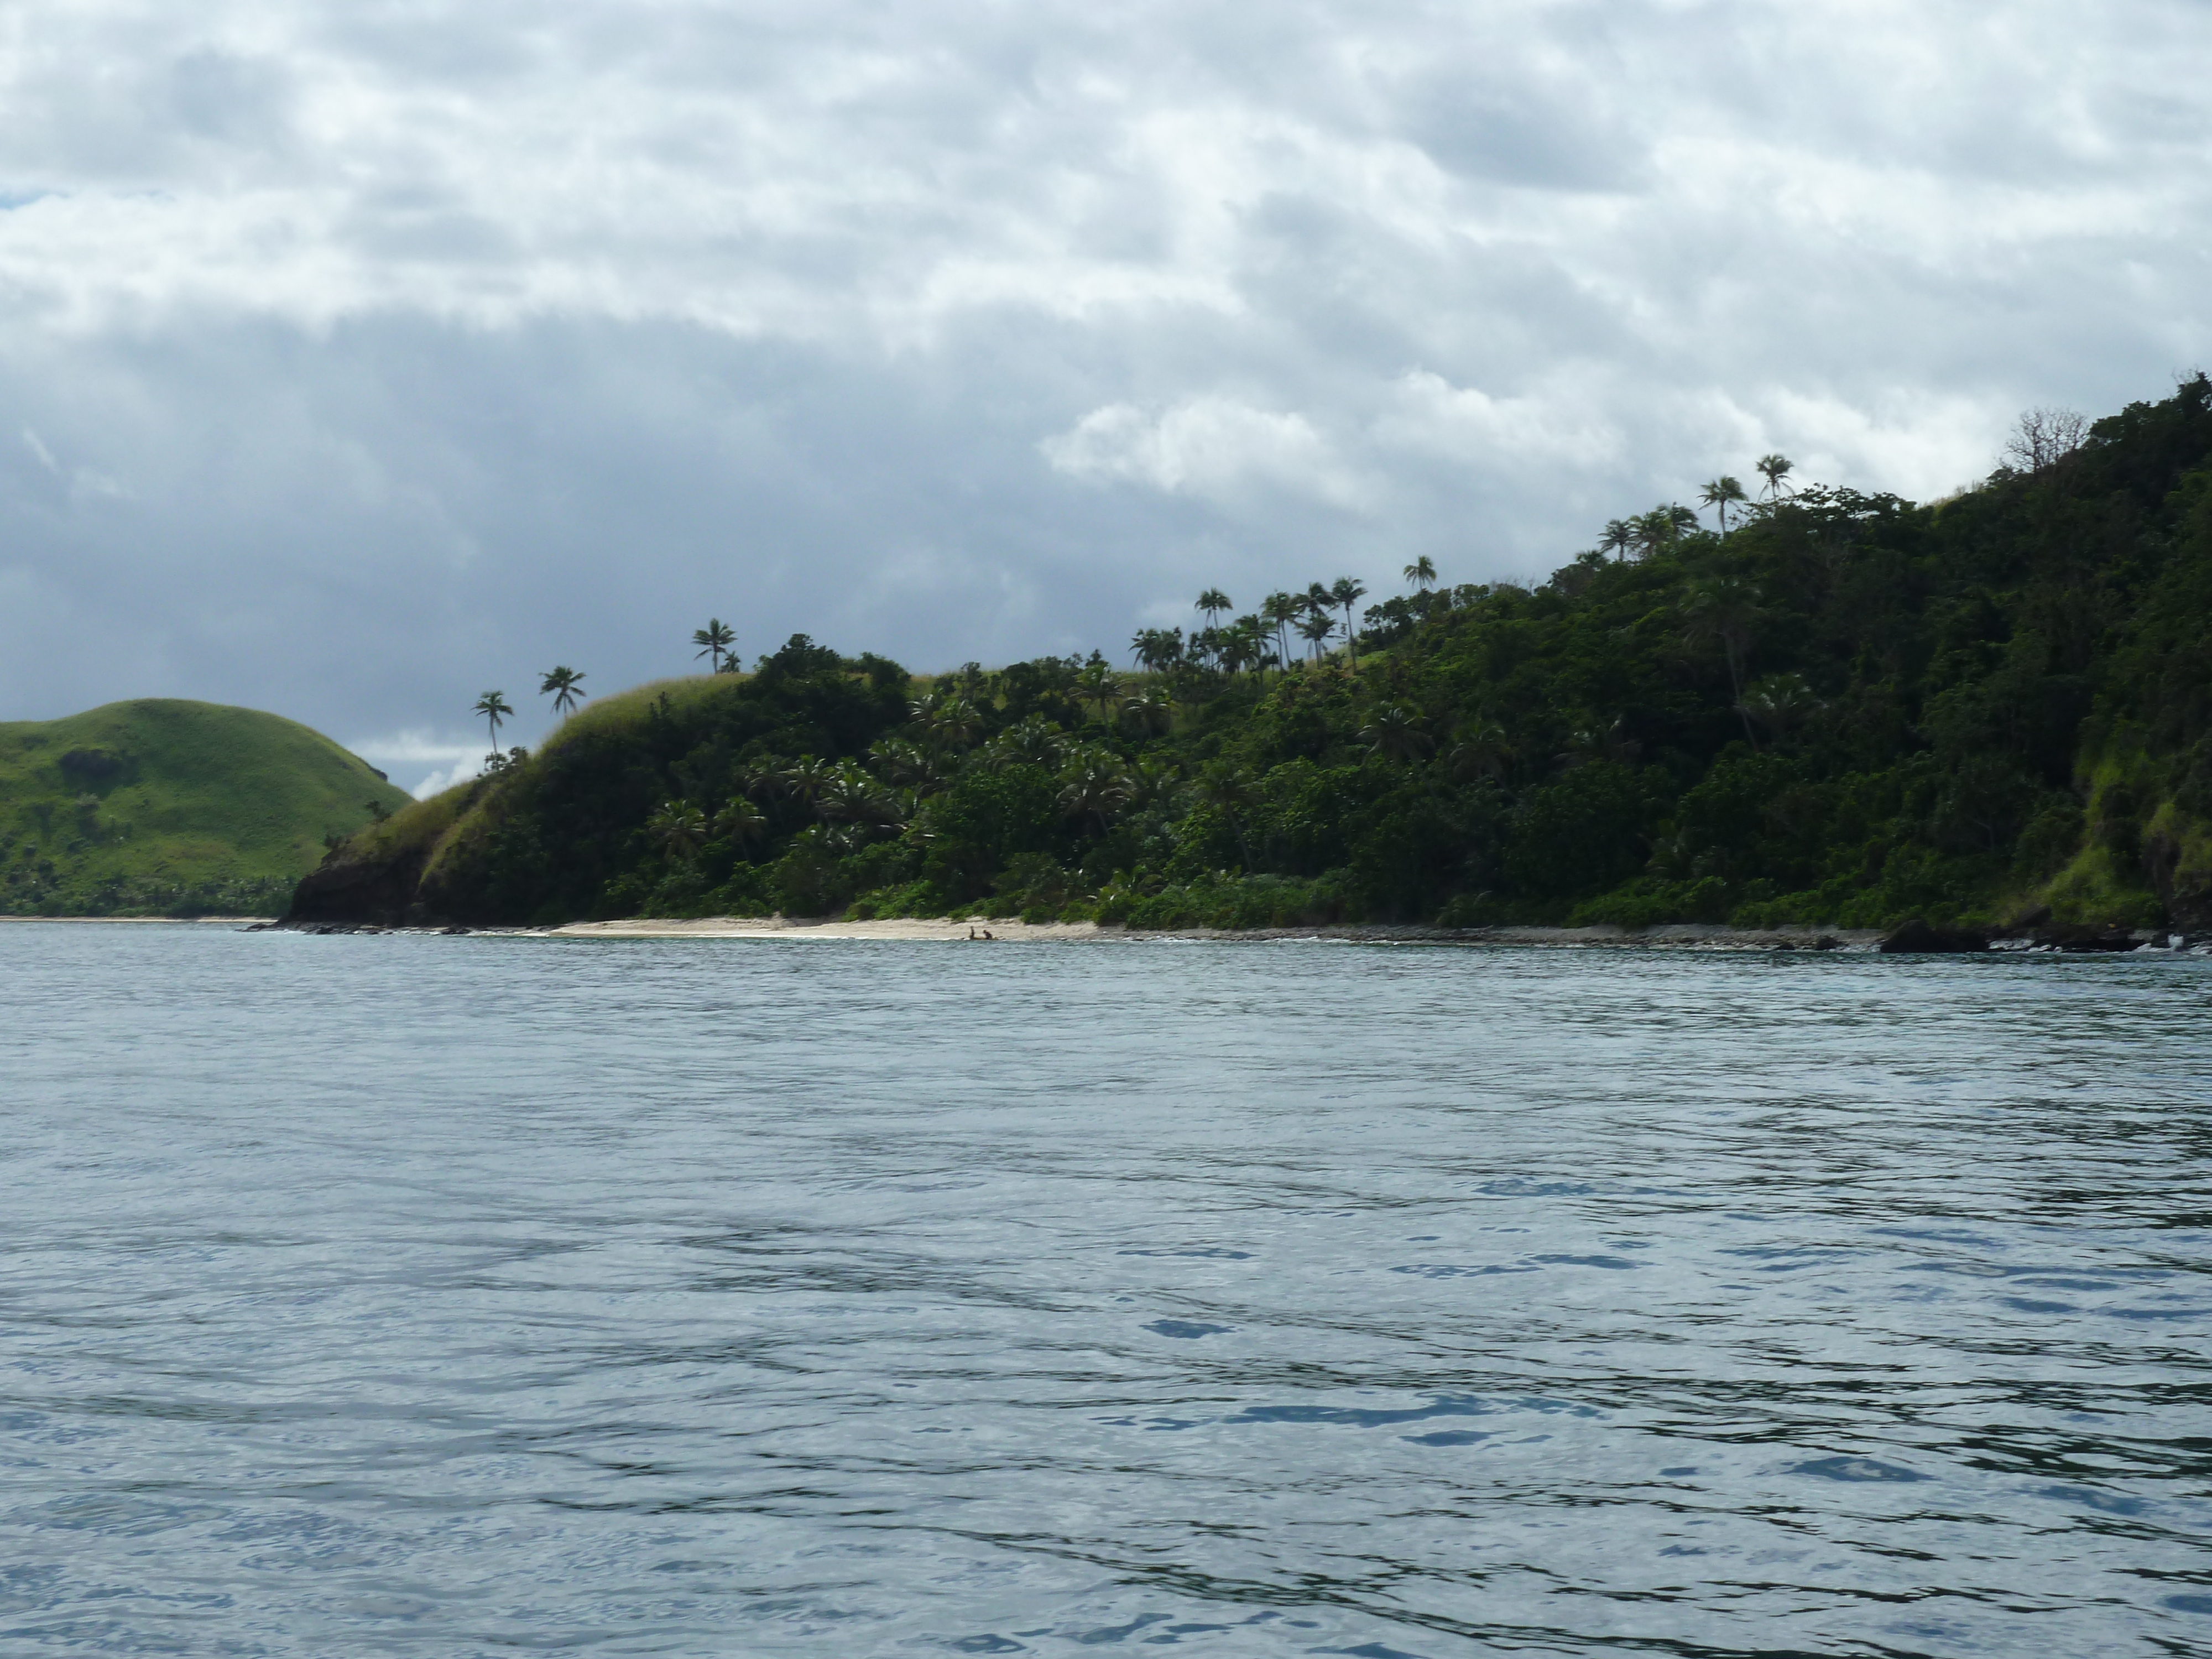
x: 1845, y: 708
x: 162, y: 807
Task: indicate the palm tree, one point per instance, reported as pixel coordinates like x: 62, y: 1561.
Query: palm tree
x: 1719, y: 495
x: 806, y: 779
x: 715, y: 638
x: 741, y: 820
x: 1261, y: 634
x: 1097, y: 684
x: 1394, y: 731
x: 1158, y: 649
x: 1213, y: 602
x: 1317, y: 627
x: 1662, y: 527
x: 1243, y: 645
x: 493, y: 706
x: 903, y: 764
x: 1620, y: 536
x: 1206, y: 647
x: 948, y: 721
x: 1152, y: 711
x: 1278, y: 611
x: 1095, y: 783
x: 1778, y: 703
x: 564, y: 686
x: 1152, y: 779
x: 1227, y: 791
x: 1031, y: 742
x: 680, y: 827
x: 955, y: 724
x: 1347, y: 593
x: 1482, y: 750
x: 1422, y: 573
x: 763, y: 782
x: 1774, y: 469
x: 853, y: 796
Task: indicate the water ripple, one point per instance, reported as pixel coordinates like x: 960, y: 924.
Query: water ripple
x: 464, y: 1296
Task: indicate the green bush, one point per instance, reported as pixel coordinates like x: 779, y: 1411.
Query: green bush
x: 1647, y: 904
x: 913, y: 898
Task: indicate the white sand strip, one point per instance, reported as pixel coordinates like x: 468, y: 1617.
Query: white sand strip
x: 784, y: 927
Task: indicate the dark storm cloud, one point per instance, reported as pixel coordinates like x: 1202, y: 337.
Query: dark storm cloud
x: 361, y: 357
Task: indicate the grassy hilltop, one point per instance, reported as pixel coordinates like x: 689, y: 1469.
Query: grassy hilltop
x: 163, y: 808
x: 1840, y: 708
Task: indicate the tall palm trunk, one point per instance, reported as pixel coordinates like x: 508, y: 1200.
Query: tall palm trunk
x: 1735, y: 684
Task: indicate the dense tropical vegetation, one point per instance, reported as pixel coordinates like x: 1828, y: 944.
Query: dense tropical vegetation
x: 1828, y: 706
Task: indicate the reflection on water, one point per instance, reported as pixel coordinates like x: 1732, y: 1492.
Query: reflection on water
x: 464, y: 1295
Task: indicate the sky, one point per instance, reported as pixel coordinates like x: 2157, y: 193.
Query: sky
x: 359, y: 357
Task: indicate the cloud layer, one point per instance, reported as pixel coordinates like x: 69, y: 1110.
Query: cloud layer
x: 361, y: 356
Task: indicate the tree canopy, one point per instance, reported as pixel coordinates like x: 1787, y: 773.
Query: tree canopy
x: 1841, y: 708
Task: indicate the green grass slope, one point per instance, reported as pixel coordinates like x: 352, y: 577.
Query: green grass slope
x: 162, y: 807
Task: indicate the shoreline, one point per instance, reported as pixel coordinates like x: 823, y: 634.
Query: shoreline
x: 1668, y: 936
x: 1687, y: 936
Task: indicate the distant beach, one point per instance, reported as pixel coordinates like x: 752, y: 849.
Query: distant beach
x: 1685, y: 937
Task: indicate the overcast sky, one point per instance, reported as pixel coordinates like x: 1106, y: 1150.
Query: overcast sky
x: 361, y: 356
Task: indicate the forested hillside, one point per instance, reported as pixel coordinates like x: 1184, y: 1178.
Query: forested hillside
x: 1845, y: 709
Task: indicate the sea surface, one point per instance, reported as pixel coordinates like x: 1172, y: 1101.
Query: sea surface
x: 495, y: 1296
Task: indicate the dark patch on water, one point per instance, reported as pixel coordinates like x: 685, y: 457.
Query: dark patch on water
x: 1185, y: 1330
x: 1857, y: 1469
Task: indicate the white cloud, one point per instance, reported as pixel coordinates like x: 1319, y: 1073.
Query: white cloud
x: 441, y: 780
x: 401, y: 752
x: 366, y: 356
x: 1214, y: 447
x: 421, y: 744
x: 1926, y: 446
x: 85, y: 483
x: 1564, y: 425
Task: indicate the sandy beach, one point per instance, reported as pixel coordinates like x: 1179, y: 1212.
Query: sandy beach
x: 784, y: 927
x: 1691, y: 937
x: 1009, y: 931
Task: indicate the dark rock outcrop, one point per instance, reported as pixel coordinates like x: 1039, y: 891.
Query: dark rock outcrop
x: 352, y: 892
x: 1917, y: 938
x: 2078, y: 939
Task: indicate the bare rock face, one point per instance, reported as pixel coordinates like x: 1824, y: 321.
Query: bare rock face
x: 1917, y: 938
x: 348, y: 892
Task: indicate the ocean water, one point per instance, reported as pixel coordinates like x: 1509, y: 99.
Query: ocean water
x: 485, y: 1296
